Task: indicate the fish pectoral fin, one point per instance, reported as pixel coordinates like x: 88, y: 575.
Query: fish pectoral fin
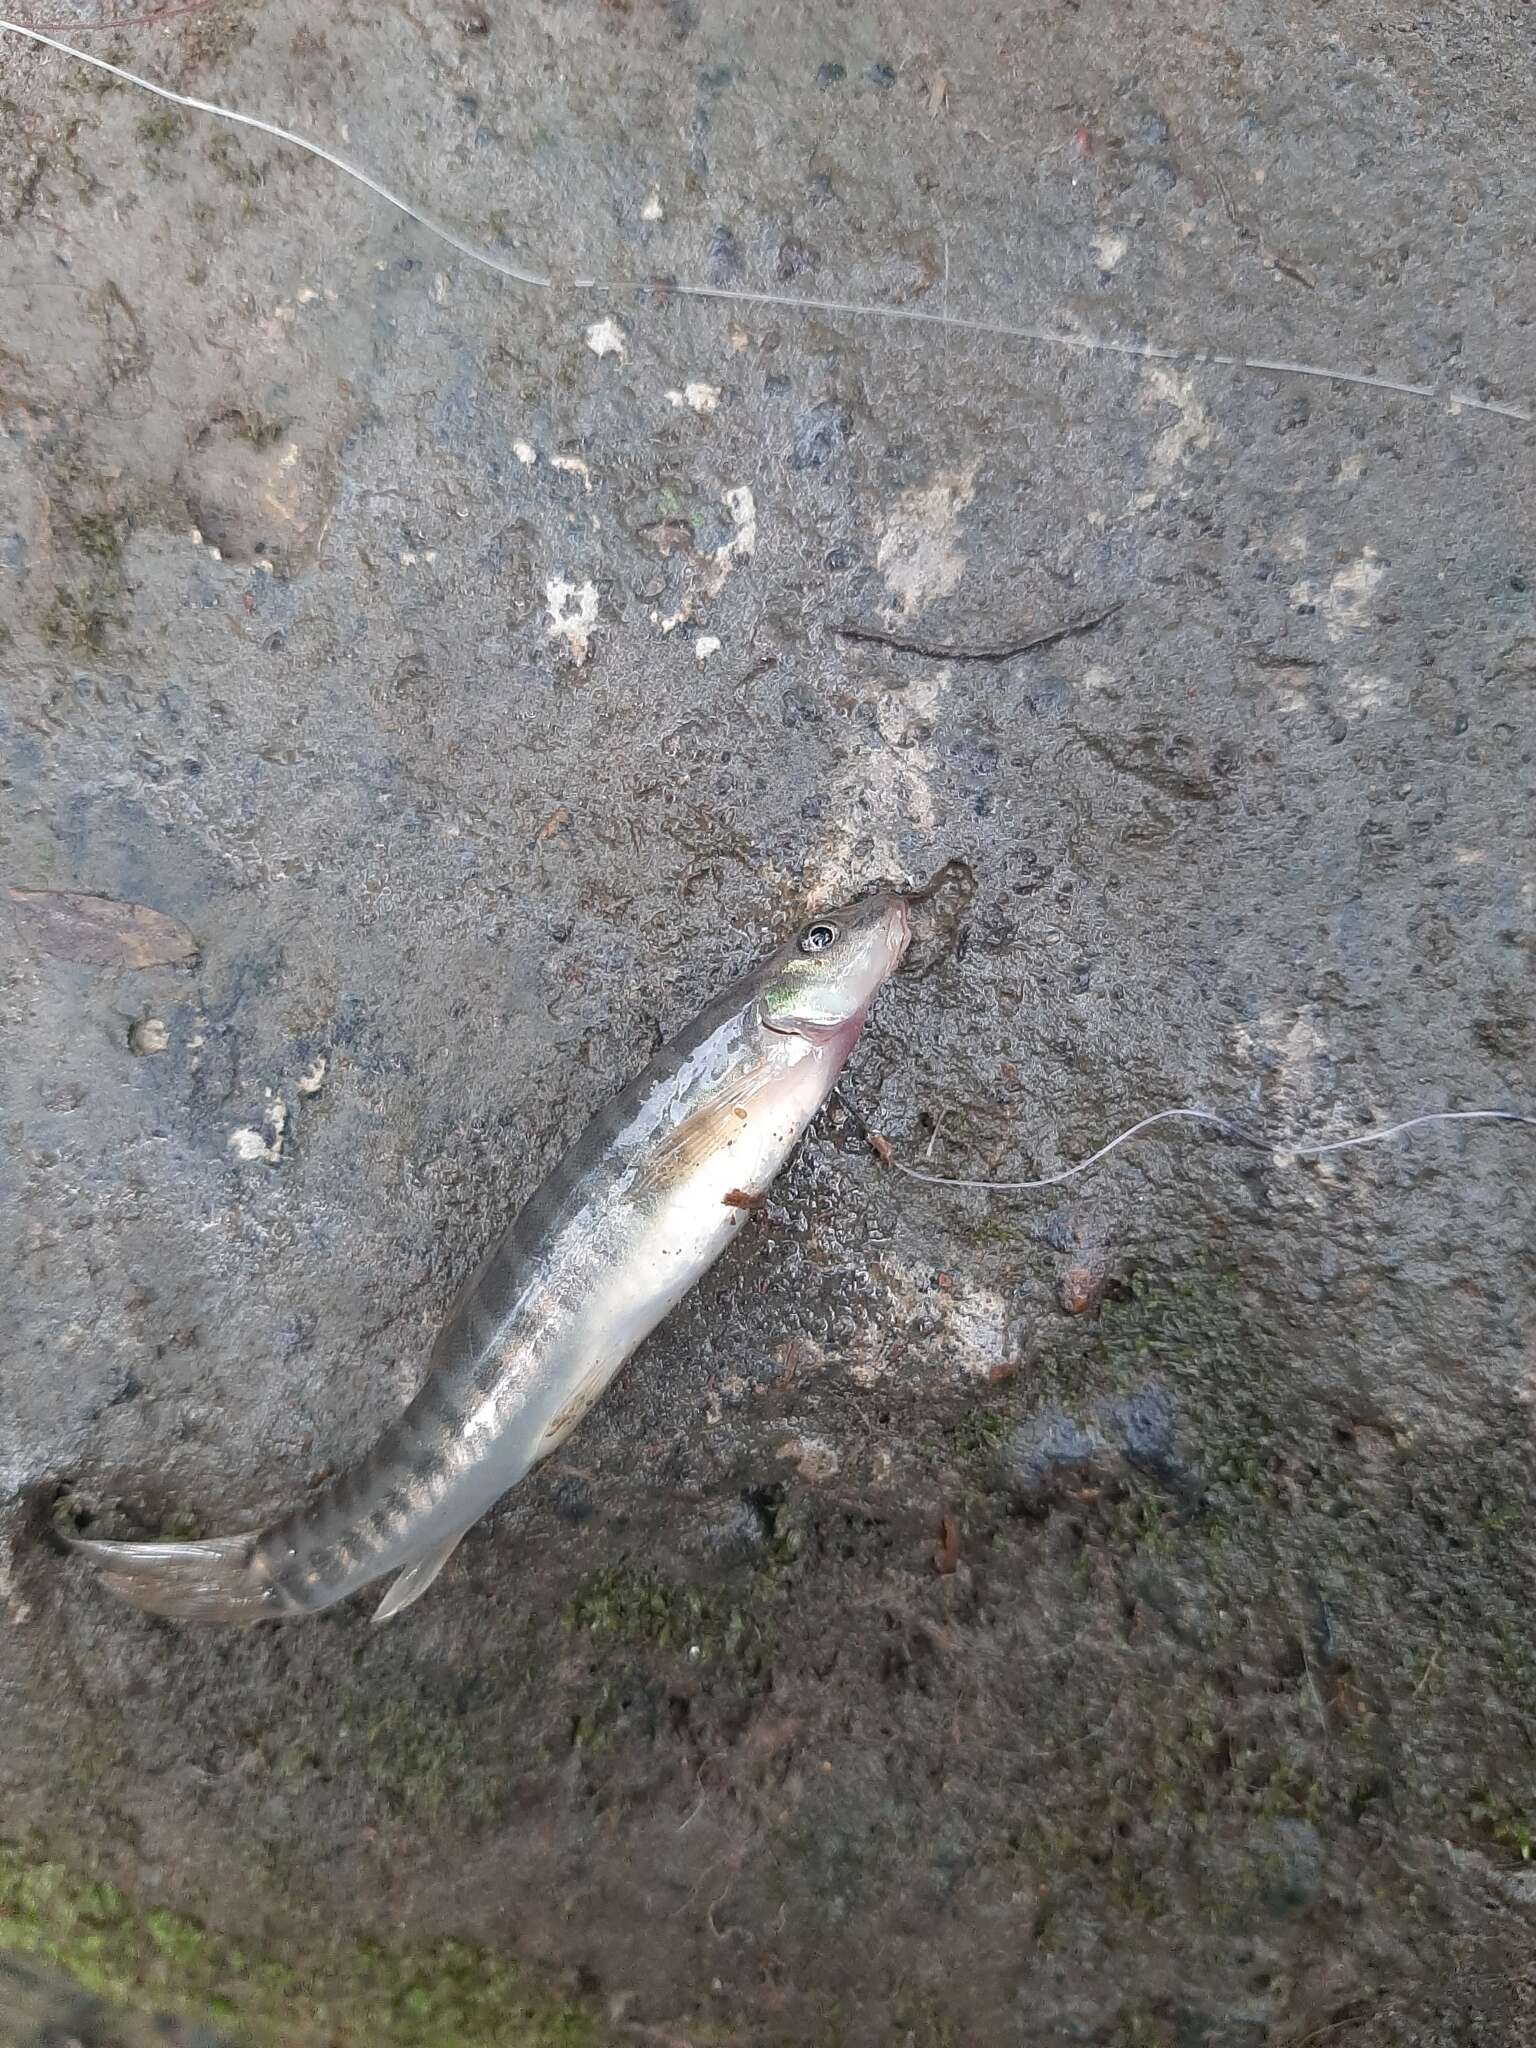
x: 415, y: 1579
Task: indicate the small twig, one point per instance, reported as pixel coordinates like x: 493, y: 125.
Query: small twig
x: 1277, y: 657
x: 961, y: 651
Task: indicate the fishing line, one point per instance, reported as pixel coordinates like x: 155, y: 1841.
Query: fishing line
x: 731, y: 295
x: 1283, y: 1151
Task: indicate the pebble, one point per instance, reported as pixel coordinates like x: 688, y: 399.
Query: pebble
x: 818, y: 433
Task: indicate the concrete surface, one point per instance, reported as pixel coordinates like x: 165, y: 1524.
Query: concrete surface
x: 336, y: 576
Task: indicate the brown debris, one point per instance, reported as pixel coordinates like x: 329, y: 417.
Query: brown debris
x: 737, y: 1198
x: 947, y: 1556
x: 881, y: 1147
x: 94, y: 931
x: 1081, y: 1286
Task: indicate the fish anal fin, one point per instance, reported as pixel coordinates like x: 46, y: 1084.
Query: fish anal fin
x: 415, y: 1579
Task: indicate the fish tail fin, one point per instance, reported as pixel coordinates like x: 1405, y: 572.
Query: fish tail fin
x: 415, y: 1579
x: 208, y: 1581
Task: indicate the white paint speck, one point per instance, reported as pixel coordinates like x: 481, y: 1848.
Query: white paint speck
x: 18, y: 1611
x: 572, y: 609
x: 606, y: 338
x: 311, y: 1082
x: 701, y: 398
x: 652, y: 209
x: 573, y: 466
x: 741, y: 546
x: 1365, y: 689
x: 1184, y: 437
x: 307, y: 295
x: 885, y: 789
x: 742, y: 506
x: 705, y: 646
x: 1347, y: 607
x: 918, y: 554
x: 1108, y: 249
x: 526, y: 453
x: 249, y: 1144
x: 438, y: 291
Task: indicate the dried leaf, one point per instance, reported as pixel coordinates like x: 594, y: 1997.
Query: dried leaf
x: 938, y: 95
x: 738, y: 1198
x: 96, y: 932
x: 881, y: 1147
x: 947, y: 1556
x: 555, y: 822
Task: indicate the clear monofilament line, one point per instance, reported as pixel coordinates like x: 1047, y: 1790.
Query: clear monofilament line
x: 1283, y: 1151
x: 1001, y: 330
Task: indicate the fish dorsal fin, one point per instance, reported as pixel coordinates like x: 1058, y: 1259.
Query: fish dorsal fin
x: 415, y: 1579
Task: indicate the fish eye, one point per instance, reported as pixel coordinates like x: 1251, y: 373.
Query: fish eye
x: 818, y: 936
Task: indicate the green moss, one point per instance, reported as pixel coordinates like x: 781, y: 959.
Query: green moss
x: 259, y: 428
x: 978, y: 1433
x: 75, y: 620
x: 1138, y: 2027
x: 231, y: 162
x: 98, y: 535
x: 158, y: 129
x: 1510, y: 1826
x: 633, y: 1604
x: 359, y: 1997
x: 421, y: 1761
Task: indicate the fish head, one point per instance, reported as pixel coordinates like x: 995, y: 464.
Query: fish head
x: 821, y: 982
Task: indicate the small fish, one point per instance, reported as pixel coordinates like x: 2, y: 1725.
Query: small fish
x: 637, y: 1211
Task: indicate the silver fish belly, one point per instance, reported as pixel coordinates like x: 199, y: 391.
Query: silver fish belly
x: 637, y: 1211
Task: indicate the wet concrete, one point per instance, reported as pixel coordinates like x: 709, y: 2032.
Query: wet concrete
x: 458, y: 665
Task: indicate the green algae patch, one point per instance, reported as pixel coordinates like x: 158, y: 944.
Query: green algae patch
x: 358, y: 1997
x: 635, y: 1605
